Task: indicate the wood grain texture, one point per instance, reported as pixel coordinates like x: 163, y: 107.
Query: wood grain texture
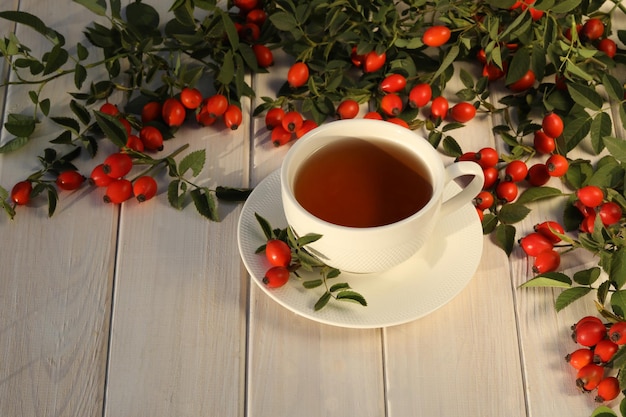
x: 178, y: 338
x: 298, y: 366
x: 57, y: 274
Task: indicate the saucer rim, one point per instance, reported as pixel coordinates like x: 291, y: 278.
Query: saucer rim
x: 352, y: 315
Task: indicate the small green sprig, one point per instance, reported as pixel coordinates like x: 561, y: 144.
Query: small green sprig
x: 303, y: 259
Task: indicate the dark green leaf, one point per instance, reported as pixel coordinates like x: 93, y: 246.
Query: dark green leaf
x: 618, y: 302
x: 587, y: 276
x: 618, y: 267
x: 585, y: 96
x: 44, y: 105
x: 32, y: 21
x: 80, y: 75
x: 68, y: 123
x: 601, y: 126
x: 265, y: 226
x: 613, y: 87
x: 570, y: 295
x: 323, y: 300
x: 81, y: 112
x: 55, y: 59
x: 53, y: 198
x: 538, y: 193
x: 505, y: 237
x: 564, y: 6
x: 616, y: 147
x: 20, y: 125
x: 112, y: 128
x: 98, y: 7
x: 339, y: 286
x: 512, y: 213
x: 232, y: 194
x: 451, y: 147
x: 314, y: 283
x: 283, y: 21
x: 351, y: 296
x: 519, y: 66
x: 204, y: 202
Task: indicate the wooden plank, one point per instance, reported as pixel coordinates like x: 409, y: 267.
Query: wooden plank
x: 178, y: 336
x: 57, y: 273
x: 545, y: 334
x: 463, y: 358
x: 297, y: 366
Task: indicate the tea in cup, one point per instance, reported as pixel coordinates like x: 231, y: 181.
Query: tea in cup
x: 372, y: 189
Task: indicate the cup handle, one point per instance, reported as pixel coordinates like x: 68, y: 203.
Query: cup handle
x: 469, y: 191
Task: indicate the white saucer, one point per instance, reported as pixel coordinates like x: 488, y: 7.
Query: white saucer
x: 419, y: 286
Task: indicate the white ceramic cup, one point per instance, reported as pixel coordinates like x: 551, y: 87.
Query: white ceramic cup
x: 379, y: 248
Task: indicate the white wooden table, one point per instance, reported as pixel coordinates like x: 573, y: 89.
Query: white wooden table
x: 146, y: 311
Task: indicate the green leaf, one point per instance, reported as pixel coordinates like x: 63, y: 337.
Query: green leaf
x: 232, y: 193
x: 351, y: 296
x: 601, y: 126
x: 519, y: 66
x: 68, y: 123
x: 55, y: 59
x: 175, y: 198
x: 512, y: 213
x: 227, y: 69
x: 618, y: 302
x: 585, y: 96
x: 587, y: 276
x: 564, y: 6
x: 20, y: 125
x: 451, y: 147
x: 448, y: 60
x: 98, y: 7
x: 13, y: 144
x: 112, y: 128
x: 323, y: 300
x: 265, y: 226
x: 194, y: 161
x: 618, y: 267
x: 308, y: 238
x: 549, y: 279
x: 283, y: 21
x: 505, y: 237
x: 32, y: 21
x: 53, y: 198
x: 538, y: 193
x: 340, y: 286
x: 613, y: 87
x: 570, y: 295
x: 205, y: 203
x: 80, y: 75
x: 616, y: 147
x: 603, y: 411
x: 81, y: 112
x: 142, y: 15
x: 313, y: 283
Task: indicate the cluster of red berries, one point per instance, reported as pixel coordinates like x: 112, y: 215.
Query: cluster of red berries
x: 592, y: 203
x: 278, y: 254
x: 506, y: 189
x: 394, y: 93
x: 111, y: 175
x: 592, y: 362
x: 173, y: 111
x: 540, y: 246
